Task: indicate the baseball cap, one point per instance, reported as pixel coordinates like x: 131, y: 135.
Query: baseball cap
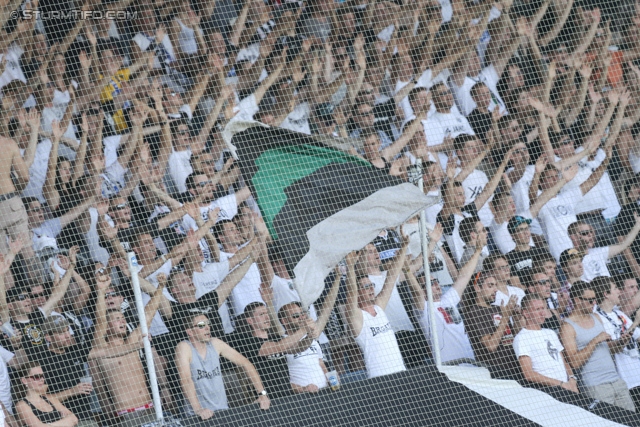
x: 568, y: 255
x: 515, y: 222
x: 55, y: 325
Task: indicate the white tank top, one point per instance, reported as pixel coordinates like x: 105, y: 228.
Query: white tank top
x: 378, y: 344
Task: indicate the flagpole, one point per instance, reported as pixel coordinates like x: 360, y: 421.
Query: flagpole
x: 153, y: 381
x: 435, y: 347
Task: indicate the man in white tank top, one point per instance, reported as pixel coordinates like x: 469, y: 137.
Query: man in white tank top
x: 367, y: 320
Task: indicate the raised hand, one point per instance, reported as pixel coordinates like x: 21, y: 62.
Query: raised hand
x: 352, y: 258
x: 541, y: 164
x: 508, y: 309
x: 436, y: 233
x: 103, y: 279
x: 56, y: 130
x: 570, y: 173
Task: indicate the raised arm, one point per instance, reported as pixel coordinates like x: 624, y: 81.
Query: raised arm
x: 49, y: 190
x: 329, y: 302
x: 466, y: 272
x: 60, y: 288
x: 394, y: 149
x: 352, y: 311
x: 392, y: 275
x: 231, y: 280
x: 628, y: 239
x: 490, y: 188
x: 555, y: 30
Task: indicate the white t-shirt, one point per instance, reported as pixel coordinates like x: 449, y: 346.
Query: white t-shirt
x: 207, y: 280
x: 12, y: 70
x: 544, y: 349
x: 628, y: 366
x: 452, y: 338
x: 501, y: 297
x: 305, y: 369
x: 462, y: 94
x: 438, y: 266
x: 395, y: 310
x: 247, y: 290
x: 602, y: 195
x: 113, y: 168
x: 556, y: 216
x: 474, y: 185
x: 5, y: 384
x: 595, y: 263
x: 180, y: 168
x: 440, y: 125
x: 379, y: 345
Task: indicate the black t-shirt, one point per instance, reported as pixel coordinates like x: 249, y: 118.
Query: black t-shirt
x: 206, y: 305
x: 522, y: 262
x: 63, y: 371
x: 32, y: 337
x: 273, y: 370
x: 624, y: 224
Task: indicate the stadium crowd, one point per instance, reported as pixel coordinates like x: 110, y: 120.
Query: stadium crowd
x: 524, y: 114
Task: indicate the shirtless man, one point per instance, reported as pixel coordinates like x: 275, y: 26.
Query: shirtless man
x: 123, y: 378
x: 13, y: 216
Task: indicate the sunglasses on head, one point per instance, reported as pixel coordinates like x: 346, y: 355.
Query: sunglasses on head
x: 202, y: 325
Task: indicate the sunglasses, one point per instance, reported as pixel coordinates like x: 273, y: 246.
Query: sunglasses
x: 202, y: 325
x: 111, y: 295
x: 589, y: 300
x: 367, y: 286
x: 36, y: 377
x: 122, y: 206
x: 203, y: 184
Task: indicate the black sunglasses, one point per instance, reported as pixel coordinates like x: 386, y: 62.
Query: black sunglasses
x: 203, y: 184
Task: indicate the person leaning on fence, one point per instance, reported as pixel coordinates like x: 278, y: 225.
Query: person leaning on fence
x: 200, y: 370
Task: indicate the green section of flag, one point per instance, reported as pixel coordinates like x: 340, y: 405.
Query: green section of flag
x: 283, y: 166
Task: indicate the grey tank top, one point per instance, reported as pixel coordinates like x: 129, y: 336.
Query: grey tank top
x: 600, y: 368
x: 207, y: 377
